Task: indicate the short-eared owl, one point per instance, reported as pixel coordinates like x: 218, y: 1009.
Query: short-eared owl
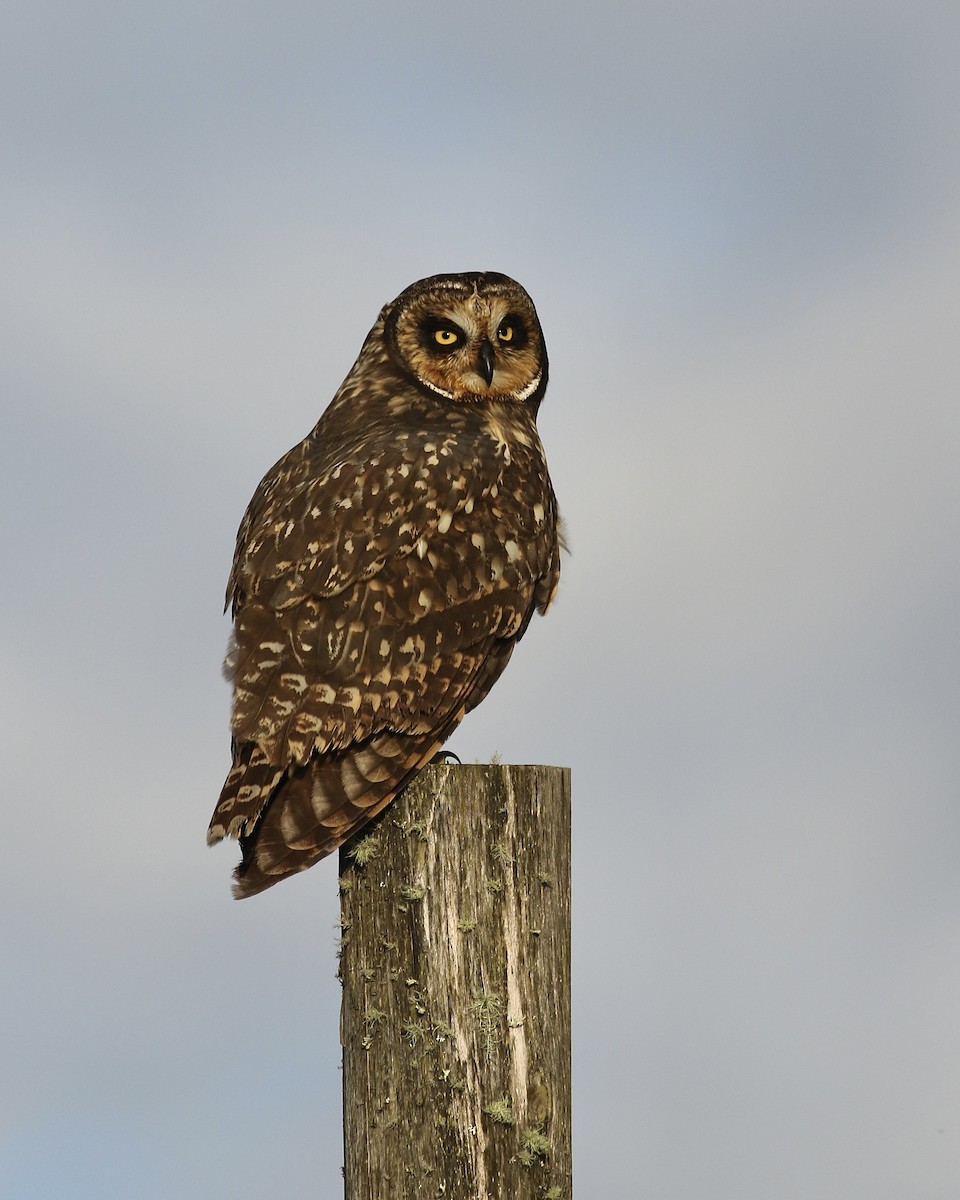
x: 384, y: 570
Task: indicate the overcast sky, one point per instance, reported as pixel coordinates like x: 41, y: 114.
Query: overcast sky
x: 741, y: 226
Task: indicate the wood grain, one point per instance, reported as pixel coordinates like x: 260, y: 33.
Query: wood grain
x: 456, y: 990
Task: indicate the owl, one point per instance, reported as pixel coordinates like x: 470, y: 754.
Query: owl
x: 384, y: 571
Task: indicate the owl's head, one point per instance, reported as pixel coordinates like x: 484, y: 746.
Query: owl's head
x: 469, y: 337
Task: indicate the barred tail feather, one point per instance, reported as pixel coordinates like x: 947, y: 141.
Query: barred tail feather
x: 316, y: 807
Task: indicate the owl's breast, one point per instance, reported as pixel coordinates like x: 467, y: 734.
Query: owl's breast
x: 495, y: 529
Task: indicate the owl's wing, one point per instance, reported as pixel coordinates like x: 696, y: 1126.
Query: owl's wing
x: 374, y: 606
x: 307, y: 810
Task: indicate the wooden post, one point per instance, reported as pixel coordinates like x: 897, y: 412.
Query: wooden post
x: 456, y: 990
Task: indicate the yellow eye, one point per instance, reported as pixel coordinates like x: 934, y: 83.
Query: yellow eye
x: 505, y: 332
x: 445, y: 337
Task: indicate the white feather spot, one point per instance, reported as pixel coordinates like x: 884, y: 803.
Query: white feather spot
x: 444, y: 523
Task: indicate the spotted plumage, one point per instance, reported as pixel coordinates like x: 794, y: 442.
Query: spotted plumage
x: 384, y: 570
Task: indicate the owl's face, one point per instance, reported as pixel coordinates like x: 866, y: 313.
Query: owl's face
x: 469, y: 337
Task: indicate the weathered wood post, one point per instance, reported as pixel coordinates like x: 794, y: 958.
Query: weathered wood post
x: 456, y: 990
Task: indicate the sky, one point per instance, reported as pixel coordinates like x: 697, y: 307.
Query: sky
x: 741, y: 228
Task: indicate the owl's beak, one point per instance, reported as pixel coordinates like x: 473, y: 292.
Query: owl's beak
x: 486, y: 366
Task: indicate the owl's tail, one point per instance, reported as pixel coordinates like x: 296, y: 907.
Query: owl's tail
x: 313, y: 809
